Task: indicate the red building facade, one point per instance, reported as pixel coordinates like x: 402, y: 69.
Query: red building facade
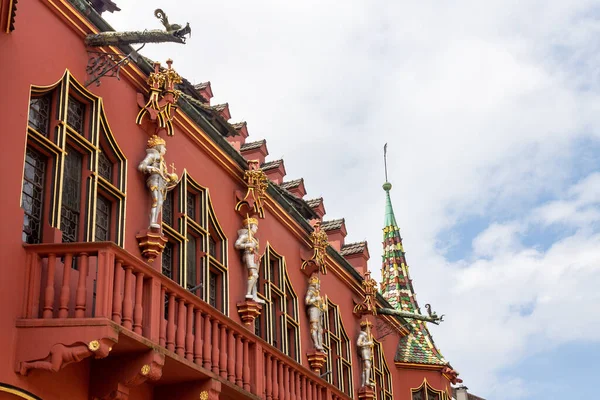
x: 97, y: 304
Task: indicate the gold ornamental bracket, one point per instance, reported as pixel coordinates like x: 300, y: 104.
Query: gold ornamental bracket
x: 252, y: 201
x: 315, y: 259
x: 368, y: 305
x: 160, y: 106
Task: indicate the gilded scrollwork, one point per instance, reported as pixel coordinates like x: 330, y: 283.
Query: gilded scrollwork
x: 252, y: 201
x: 160, y: 106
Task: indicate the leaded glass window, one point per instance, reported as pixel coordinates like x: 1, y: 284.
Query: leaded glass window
x: 105, y: 166
x: 212, y: 246
x: 431, y: 395
x: 71, y: 195
x: 426, y: 392
x: 103, y: 211
x: 420, y: 395
x: 75, y: 115
x: 167, y: 210
x: 212, y: 289
x: 280, y: 326
x: 167, y: 260
x: 381, y: 373
x: 191, y: 205
x: 39, y: 114
x: 337, y: 345
x: 81, y: 163
x: 33, y: 195
x: 191, y: 262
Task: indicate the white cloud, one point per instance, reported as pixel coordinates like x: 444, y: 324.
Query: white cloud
x: 481, y: 104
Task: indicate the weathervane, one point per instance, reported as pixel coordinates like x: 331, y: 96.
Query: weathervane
x: 385, y: 160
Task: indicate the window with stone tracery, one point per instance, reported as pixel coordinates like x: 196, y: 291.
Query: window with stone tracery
x: 196, y: 257
x: 74, y: 171
x: 337, y: 346
x: 278, y: 323
x: 380, y: 373
x: 426, y: 392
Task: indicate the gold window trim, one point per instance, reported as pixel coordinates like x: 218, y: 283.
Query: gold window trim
x: 98, y: 125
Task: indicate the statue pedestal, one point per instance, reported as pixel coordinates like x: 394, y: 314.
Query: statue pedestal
x: 248, y: 311
x: 316, y: 360
x: 366, y: 393
x: 151, y: 243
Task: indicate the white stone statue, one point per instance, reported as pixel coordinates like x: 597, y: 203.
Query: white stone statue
x: 316, y: 307
x: 365, y: 350
x: 159, y: 180
x: 247, y: 242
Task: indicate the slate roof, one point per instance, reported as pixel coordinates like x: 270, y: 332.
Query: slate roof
x: 292, y: 184
x: 201, y: 86
x: 353, y: 248
x: 271, y: 164
x: 220, y: 107
x: 212, y: 114
x: 332, y: 225
x: 252, y: 145
x: 239, y: 125
x: 418, y: 346
x: 312, y: 203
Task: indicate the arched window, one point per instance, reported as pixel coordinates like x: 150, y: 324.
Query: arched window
x: 195, y: 255
x: 381, y: 373
x: 74, y: 171
x: 426, y: 392
x: 337, y: 345
x: 278, y: 323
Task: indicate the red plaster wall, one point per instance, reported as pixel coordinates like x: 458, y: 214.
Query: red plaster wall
x: 38, y: 52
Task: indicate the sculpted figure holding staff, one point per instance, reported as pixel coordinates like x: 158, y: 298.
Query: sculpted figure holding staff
x: 159, y: 180
x: 248, y: 243
x: 365, y: 350
x: 316, y: 307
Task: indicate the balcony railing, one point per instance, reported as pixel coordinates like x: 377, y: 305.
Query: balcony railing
x: 101, y: 280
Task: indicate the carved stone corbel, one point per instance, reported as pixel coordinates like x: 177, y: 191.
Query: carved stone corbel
x: 62, y: 355
x: 249, y: 310
x: 115, y: 377
x: 366, y: 393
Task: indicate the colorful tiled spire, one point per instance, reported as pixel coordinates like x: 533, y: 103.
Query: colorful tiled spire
x: 396, y: 287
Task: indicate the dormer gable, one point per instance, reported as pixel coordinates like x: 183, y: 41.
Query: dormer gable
x: 223, y: 110
x: 357, y: 254
x: 336, y: 232
x: 204, y: 90
x: 295, y: 187
x: 255, y: 151
x: 275, y: 170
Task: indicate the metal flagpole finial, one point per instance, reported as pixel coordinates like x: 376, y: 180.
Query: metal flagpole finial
x: 386, y: 186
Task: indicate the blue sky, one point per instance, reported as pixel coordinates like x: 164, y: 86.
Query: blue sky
x: 491, y: 112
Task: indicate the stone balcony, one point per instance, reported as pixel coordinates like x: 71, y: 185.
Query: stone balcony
x: 95, y: 300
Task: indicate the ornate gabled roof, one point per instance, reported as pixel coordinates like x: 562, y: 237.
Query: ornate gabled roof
x: 252, y: 145
x: 312, y: 203
x: 292, y: 184
x: 353, y: 248
x: 271, y: 164
x: 396, y: 287
x: 333, y: 224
